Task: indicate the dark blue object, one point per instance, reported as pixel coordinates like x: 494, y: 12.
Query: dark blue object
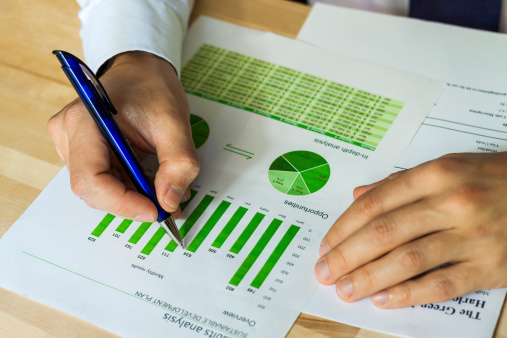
x: 480, y: 14
x: 101, y: 109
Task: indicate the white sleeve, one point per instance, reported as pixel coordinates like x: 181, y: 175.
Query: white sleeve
x: 110, y: 27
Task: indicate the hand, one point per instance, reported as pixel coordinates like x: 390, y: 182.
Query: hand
x: 392, y: 240
x: 153, y: 114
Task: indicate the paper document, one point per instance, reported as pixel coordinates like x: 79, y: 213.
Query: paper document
x: 275, y: 175
x: 470, y: 116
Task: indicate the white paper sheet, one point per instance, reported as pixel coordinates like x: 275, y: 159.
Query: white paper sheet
x: 104, y: 269
x: 470, y: 116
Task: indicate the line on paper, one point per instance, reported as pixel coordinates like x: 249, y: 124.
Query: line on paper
x: 468, y: 125
x: 465, y: 132
x: 124, y: 292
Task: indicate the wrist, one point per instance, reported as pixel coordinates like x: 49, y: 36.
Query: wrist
x: 137, y: 59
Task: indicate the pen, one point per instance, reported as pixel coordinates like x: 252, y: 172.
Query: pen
x: 101, y: 109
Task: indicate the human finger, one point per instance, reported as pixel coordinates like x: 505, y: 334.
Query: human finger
x: 89, y: 167
x: 437, y: 286
x: 397, y: 192
x: 378, y: 237
x: 56, y: 129
x: 403, y: 263
x: 178, y: 162
x: 176, y: 214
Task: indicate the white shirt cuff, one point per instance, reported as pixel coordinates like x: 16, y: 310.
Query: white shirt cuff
x: 110, y: 27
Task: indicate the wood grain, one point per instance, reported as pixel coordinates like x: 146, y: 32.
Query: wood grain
x: 33, y: 88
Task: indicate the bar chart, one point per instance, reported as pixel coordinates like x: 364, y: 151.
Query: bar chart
x: 238, y: 229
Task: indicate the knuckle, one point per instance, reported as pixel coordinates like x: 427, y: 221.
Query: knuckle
x: 365, y: 276
x: 442, y: 167
x: 489, y: 229
x: 411, y: 259
x: 403, y: 294
x: 188, y: 166
x: 449, y: 163
x: 369, y: 204
x: 338, y: 261
x: 466, y: 198
x: 72, y: 116
x: 442, y: 287
x: 337, y: 234
x: 497, y: 256
x: 79, y: 185
x: 469, y: 192
x: 382, y: 230
x: 182, y: 169
x: 483, y: 230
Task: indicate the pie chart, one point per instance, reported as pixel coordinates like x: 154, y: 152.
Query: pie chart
x: 200, y: 130
x: 299, y: 173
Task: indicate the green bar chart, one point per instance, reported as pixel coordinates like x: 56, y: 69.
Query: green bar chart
x: 124, y: 225
x: 189, y: 223
x: 140, y: 232
x: 155, y: 239
x: 275, y: 256
x: 245, y: 235
x: 229, y: 227
x: 103, y: 225
x: 256, y: 251
x: 240, y: 226
x: 208, y: 226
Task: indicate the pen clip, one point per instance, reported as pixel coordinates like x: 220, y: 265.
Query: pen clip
x: 74, y: 64
x: 98, y: 86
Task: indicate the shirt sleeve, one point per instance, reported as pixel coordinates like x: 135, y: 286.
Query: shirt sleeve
x: 110, y: 27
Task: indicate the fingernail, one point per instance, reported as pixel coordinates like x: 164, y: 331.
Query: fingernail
x: 344, y: 287
x: 144, y: 218
x: 322, y: 271
x: 380, y: 298
x: 324, y: 248
x: 173, y: 197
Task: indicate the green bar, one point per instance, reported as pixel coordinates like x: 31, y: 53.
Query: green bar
x: 245, y: 235
x: 229, y: 227
x: 103, y: 225
x: 189, y: 223
x: 148, y: 248
x: 139, y: 232
x: 185, y: 204
x: 124, y: 225
x: 208, y: 226
x: 256, y: 251
x: 275, y: 256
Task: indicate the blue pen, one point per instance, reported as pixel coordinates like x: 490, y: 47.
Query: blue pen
x: 101, y: 109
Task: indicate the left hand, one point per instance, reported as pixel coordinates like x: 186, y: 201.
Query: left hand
x: 391, y: 241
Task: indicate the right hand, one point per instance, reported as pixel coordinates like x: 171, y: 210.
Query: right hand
x: 153, y: 115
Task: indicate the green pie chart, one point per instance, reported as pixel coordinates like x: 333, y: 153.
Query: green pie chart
x: 200, y: 130
x: 299, y: 173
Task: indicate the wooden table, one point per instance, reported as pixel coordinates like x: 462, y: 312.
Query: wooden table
x: 33, y: 88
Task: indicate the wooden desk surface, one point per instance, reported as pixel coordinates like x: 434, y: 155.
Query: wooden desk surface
x: 33, y: 88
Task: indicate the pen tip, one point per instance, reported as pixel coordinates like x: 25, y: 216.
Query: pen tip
x: 172, y: 230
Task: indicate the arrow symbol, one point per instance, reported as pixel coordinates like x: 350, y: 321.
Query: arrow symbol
x: 238, y: 151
